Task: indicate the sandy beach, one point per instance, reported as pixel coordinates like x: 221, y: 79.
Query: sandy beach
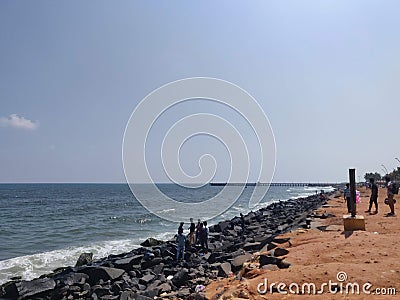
x: 325, y: 253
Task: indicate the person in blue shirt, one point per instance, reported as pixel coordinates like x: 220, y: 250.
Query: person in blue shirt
x: 180, y: 240
x: 347, y: 197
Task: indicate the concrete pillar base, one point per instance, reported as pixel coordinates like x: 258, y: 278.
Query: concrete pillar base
x: 352, y: 224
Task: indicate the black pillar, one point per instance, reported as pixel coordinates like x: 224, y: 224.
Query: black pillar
x: 352, y: 175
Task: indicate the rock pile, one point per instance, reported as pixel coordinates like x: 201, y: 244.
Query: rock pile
x: 151, y: 271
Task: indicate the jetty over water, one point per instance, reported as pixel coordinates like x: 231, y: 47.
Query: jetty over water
x: 289, y: 184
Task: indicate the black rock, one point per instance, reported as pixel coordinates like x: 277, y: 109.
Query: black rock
x: 168, y: 253
x: 128, y: 263
x: 280, y: 252
x: 146, y: 279
x: 115, y: 288
x: 180, y: 277
x: 224, y: 269
x: 34, y: 288
x: 127, y: 295
x: 150, y: 263
x: 283, y: 265
x: 152, y: 292
x: 165, y: 287
x: 269, y: 260
x: 263, y: 239
x: 221, y: 226
x: 158, y: 268
x: 226, y: 245
x: 150, y: 242
x: 60, y: 293
x: 84, y: 259
x: 238, y: 261
x: 281, y: 240
x: 75, y: 278
x: 252, y: 246
x: 8, y: 291
x: 102, y: 273
x: 184, y: 293
x: 101, y: 291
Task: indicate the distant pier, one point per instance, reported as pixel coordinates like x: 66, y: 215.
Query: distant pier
x: 288, y: 184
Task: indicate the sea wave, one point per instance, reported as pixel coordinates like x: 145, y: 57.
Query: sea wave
x: 32, y: 266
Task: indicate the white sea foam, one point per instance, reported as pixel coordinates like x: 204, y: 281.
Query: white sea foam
x: 164, y: 236
x: 302, y: 195
x: 165, y: 211
x: 32, y: 266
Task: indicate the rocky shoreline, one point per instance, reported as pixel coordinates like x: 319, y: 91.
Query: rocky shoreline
x: 138, y: 275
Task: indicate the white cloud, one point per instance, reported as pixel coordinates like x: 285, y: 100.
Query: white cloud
x: 19, y: 122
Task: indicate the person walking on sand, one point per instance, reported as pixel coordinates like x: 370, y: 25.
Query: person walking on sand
x: 374, y: 196
x: 347, y: 197
x: 180, y: 240
x: 390, y: 196
x: 192, y: 229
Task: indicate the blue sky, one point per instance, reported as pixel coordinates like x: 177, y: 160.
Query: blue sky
x: 326, y: 73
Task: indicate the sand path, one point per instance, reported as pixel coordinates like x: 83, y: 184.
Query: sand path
x: 316, y: 256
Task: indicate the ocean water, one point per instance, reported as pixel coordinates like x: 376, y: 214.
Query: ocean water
x: 46, y: 226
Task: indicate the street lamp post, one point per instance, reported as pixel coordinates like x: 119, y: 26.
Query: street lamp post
x: 398, y: 168
x: 385, y: 169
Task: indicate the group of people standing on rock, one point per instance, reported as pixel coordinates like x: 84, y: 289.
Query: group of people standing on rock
x: 391, y: 190
x: 198, y: 234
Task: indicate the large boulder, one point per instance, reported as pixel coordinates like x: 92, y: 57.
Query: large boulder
x: 128, y: 263
x: 151, y: 263
x: 75, y: 278
x: 269, y: 260
x: 224, y: 269
x: 252, y: 246
x: 150, y: 242
x: 180, y: 277
x: 84, y: 259
x: 280, y: 252
x: 238, y: 261
x: 146, y: 279
x: 104, y: 273
x: 221, y: 226
x: 34, y: 288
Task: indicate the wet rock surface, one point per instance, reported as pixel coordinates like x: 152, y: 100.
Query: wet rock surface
x: 150, y: 272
